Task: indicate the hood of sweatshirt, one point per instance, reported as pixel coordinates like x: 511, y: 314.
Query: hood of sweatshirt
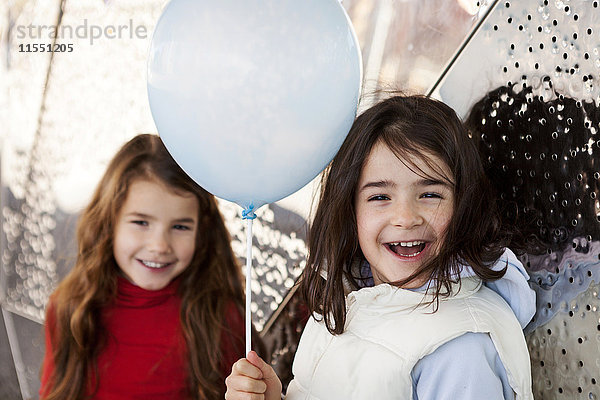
x: 513, y: 287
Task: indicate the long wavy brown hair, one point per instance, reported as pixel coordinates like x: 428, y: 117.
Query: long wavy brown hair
x: 92, y: 284
x: 411, y: 126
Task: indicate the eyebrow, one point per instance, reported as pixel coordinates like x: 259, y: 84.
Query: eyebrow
x: 431, y: 182
x: 377, y: 184
x: 390, y: 184
x: 146, y: 216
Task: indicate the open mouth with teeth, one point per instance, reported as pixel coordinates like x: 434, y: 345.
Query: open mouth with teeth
x: 407, y: 249
x: 154, y: 265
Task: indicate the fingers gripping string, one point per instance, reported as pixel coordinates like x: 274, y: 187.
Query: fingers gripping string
x: 249, y: 215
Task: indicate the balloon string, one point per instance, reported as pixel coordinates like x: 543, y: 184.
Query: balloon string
x: 248, y: 282
x: 248, y: 214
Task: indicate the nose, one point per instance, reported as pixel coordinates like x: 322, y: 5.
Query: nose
x: 159, y: 242
x: 407, y: 215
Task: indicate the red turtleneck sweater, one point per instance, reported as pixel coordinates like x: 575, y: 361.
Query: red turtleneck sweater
x: 145, y: 354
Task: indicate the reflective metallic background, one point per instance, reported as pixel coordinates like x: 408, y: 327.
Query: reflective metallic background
x: 527, y: 82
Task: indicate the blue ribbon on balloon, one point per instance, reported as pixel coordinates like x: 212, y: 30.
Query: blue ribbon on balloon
x: 248, y: 213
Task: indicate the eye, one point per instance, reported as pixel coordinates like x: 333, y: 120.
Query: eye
x: 180, y: 227
x: 379, y: 197
x: 140, y: 222
x: 431, y: 195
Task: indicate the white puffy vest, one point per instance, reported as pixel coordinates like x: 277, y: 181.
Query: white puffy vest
x: 388, y: 330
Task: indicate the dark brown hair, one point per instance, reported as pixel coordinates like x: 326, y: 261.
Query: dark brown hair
x: 537, y: 153
x: 411, y: 126
x: 92, y: 283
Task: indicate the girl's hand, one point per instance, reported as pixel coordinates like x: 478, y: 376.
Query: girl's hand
x: 252, y: 379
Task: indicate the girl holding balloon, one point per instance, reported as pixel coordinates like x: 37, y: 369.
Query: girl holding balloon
x: 412, y: 290
x: 152, y: 308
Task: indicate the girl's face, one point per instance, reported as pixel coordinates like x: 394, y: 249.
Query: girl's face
x: 155, y: 234
x: 401, y: 216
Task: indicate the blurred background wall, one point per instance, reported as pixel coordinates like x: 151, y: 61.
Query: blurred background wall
x: 63, y: 115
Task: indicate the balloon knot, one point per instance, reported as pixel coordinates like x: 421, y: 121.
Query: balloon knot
x: 248, y: 213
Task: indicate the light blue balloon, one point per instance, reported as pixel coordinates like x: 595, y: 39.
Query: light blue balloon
x: 253, y: 98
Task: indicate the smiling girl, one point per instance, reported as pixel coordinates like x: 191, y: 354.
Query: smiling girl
x: 391, y: 195
x: 412, y: 291
x: 152, y: 307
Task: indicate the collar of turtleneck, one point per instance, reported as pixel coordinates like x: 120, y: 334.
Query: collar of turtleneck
x: 131, y: 295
